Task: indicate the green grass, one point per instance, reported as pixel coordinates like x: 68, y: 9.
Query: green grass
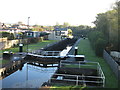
x: 67, y: 87
x: 85, y: 48
x: 81, y: 66
x: 4, y: 61
x: 31, y: 46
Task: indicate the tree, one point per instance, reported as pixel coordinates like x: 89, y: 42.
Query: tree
x: 81, y: 30
x: 38, y: 28
x: 66, y: 24
x: 108, y: 23
x: 118, y: 5
x: 69, y: 32
x: 10, y: 36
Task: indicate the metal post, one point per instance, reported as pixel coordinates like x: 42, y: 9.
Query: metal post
x: 79, y: 64
x: 76, y: 50
x: 103, y: 81
x: 27, y: 38
x: 77, y: 81
x: 20, y: 47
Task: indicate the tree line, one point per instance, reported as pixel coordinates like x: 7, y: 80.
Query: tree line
x: 105, y: 34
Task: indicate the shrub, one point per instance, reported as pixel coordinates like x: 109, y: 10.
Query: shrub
x: 10, y: 36
x: 5, y: 34
x: 99, y: 46
x: 98, y: 42
x: 43, y: 34
x: 33, y: 40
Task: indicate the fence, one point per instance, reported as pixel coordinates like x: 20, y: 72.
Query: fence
x: 51, y: 53
x: 80, y: 79
x: 114, y: 66
x: 83, y: 64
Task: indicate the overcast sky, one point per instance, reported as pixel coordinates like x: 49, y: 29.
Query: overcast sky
x: 48, y: 12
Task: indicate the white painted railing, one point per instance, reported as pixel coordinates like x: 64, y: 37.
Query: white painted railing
x: 77, y: 81
x: 82, y: 64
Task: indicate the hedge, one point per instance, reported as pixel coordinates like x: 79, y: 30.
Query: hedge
x: 98, y: 42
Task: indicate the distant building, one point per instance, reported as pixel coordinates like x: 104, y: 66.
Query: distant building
x: 19, y: 26
x: 33, y: 33
x: 5, y: 26
x: 58, y: 34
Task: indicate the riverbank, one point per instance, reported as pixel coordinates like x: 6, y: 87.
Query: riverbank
x: 86, y: 49
x: 30, y: 47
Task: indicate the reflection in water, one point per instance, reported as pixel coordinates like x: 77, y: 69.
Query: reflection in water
x: 28, y: 76
x: 11, y: 68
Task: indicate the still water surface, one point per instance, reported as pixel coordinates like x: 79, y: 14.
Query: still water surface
x: 29, y: 77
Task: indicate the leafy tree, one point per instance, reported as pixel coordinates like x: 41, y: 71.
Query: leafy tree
x: 66, y: 24
x: 38, y: 28
x: 108, y: 24
x: 69, y: 32
x: 98, y: 41
x: 102, y: 24
x: 78, y: 31
x: 5, y: 34
x: 10, y: 36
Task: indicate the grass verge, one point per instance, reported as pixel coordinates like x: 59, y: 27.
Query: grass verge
x: 86, y: 49
x: 4, y: 61
x: 30, y: 47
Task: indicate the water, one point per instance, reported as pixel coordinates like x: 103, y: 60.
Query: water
x: 29, y: 77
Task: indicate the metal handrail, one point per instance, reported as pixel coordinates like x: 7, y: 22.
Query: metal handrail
x: 76, y: 75
x: 100, y: 72
x: 84, y: 81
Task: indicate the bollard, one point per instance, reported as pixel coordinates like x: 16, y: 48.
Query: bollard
x: 6, y: 55
x: 2, y: 73
x: 79, y: 57
x: 20, y: 47
x: 76, y: 50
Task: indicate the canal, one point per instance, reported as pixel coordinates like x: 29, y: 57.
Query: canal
x: 29, y: 76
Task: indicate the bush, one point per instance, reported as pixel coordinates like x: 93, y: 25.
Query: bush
x: 43, y: 34
x: 10, y: 36
x: 33, y: 40
x: 98, y: 42
x: 5, y: 34
x: 99, y: 46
